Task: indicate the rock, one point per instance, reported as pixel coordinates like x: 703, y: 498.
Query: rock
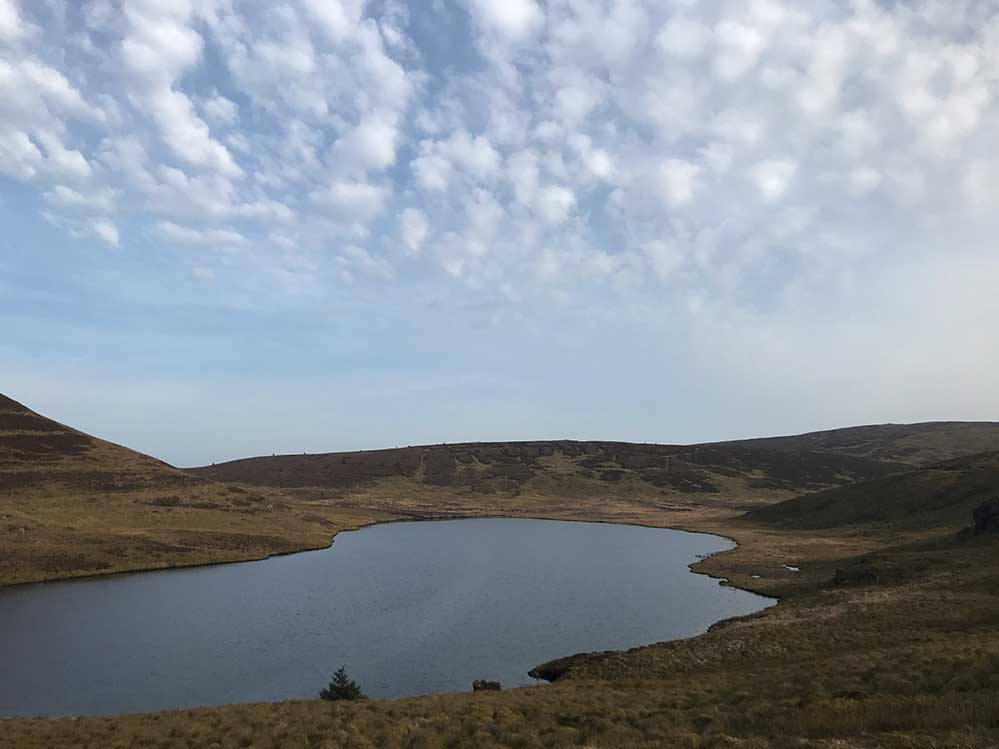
x: 863, y: 572
x: 986, y: 517
x: 481, y: 685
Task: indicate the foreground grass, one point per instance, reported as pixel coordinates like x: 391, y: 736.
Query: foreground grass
x: 596, y: 714
x: 906, y: 655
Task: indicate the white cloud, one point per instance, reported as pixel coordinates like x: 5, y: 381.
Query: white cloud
x: 981, y: 185
x: 664, y: 257
x: 107, y: 232
x: 186, y: 134
x: 683, y: 37
x: 354, y: 259
x: 13, y: 27
x: 62, y: 161
x: 337, y: 18
x: 740, y: 126
x: 438, y: 160
x: 773, y: 177
x: 739, y: 46
x: 413, y: 229
x: 576, y: 101
x: 678, y: 181
x: 370, y: 144
x: 510, y: 18
x: 219, y: 238
x: 158, y: 48
x: 220, y: 110
x: 352, y: 200
x: 61, y: 196
x: 864, y: 178
x: 553, y: 203
x: 19, y: 156
x: 590, y: 144
x: 718, y: 156
x: 522, y: 172
x: 432, y: 171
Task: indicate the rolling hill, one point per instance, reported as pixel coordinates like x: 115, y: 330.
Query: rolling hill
x: 913, y: 444
x: 939, y: 495
x: 564, y: 468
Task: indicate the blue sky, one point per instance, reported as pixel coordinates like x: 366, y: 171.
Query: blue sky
x: 235, y: 228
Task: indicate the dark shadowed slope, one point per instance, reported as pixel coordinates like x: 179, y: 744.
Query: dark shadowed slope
x: 561, y: 467
x: 915, y: 444
x: 939, y: 495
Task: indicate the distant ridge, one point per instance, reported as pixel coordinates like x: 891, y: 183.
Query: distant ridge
x: 560, y: 467
x: 917, y: 444
x: 798, y: 463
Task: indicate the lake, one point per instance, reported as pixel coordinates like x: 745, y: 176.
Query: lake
x: 409, y: 608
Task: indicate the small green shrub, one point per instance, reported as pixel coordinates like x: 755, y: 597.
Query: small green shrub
x: 342, y: 687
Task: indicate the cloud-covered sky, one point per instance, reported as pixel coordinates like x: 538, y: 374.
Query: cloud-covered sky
x: 235, y: 227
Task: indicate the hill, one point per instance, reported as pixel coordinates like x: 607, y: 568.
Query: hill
x: 940, y: 495
x: 37, y: 452
x: 564, y: 468
x: 913, y: 444
x: 72, y: 504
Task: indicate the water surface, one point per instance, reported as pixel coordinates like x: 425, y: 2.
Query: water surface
x: 409, y: 608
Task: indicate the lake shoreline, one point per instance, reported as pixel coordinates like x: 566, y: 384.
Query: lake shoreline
x: 688, y: 565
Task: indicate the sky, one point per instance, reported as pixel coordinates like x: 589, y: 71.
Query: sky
x: 232, y: 228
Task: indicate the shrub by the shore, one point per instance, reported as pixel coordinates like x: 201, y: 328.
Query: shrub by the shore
x: 342, y: 687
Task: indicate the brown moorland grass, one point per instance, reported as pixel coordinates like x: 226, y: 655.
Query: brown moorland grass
x: 887, y: 636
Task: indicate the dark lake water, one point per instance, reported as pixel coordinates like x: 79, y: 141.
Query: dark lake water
x: 409, y: 608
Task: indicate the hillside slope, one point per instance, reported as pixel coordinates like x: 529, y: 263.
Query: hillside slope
x: 914, y: 444
x: 941, y: 495
x: 37, y: 452
x: 563, y: 468
x: 72, y: 504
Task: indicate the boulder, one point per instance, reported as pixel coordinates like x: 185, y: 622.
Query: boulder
x: 857, y: 575
x: 481, y: 685
x: 985, y: 517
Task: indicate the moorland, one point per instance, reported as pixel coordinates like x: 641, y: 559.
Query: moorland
x: 887, y: 631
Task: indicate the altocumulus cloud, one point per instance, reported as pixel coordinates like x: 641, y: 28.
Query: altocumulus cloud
x: 809, y: 192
